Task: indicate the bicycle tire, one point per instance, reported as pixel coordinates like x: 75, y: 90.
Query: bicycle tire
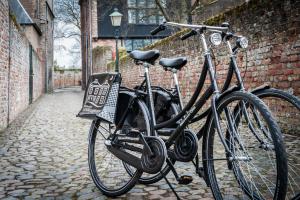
x: 231, y: 188
x: 289, y: 108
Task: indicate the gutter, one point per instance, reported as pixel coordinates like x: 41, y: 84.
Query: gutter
x: 35, y: 26
x: 51, y: 11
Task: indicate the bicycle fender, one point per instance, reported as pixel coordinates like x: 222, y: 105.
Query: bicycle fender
x: 229, y: 91
x: 260, y: 88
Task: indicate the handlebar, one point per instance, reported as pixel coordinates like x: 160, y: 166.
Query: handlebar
x: 189, y: 34
x: 192, y: 26
x: 158, y: 29
x: 162, y: 27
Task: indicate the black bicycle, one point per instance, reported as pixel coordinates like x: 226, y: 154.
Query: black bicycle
x: 269, y: 95
x: 132, y: 146
x: 170, y: 107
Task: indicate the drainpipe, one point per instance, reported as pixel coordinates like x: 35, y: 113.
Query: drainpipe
x: 9, y: 65
x: 46, y: 52
x: 83, y: 4
x: 90, y: 36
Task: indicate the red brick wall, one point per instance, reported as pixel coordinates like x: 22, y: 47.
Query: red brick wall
x: 4, y: 56
x: 14, y: 74
x: 273, y: 56
x: 67, y: 78
x: 19, y: 73
x: 30, y: 7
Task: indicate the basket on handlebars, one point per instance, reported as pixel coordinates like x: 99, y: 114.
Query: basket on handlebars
x: 100, y: 98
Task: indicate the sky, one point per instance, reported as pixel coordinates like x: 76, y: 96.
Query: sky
x: 63, y: 48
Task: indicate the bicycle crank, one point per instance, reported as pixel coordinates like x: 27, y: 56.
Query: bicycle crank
x: 185, y: 147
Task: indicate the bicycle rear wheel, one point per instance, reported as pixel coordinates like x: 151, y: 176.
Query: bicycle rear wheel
x: 285, y: 108
x: 255, y: 167
x: 107, y: 170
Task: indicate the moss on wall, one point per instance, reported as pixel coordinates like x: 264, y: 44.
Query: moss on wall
x: 14, y: 20
x: 101, y: 49
x: 56, y: 69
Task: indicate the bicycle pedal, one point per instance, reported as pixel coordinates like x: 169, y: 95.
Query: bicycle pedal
x: 185, y: 180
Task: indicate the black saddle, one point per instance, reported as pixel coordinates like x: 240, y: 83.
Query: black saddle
x: 145, y: 56
x: 173, y: 63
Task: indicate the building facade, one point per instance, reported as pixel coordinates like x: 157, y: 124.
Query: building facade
x: 26, y: 55
x: 139, y: 18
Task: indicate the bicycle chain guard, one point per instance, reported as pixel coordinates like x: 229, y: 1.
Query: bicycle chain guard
x: 153, y: 162
x: 150, y: 162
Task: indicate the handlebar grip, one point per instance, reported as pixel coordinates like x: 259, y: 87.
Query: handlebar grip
x: 189, y: 34
x: 225, y: 24
x: 157, y: 29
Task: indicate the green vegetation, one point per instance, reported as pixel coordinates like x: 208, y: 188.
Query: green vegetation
x: 101, y: 49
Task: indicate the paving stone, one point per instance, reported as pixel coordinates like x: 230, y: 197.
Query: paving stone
x: 45, y: 157
x: 158, y: 192
x: 17, y: 193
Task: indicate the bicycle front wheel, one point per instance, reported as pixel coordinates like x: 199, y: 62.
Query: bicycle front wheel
x: 285, y: 108
x: 250, y: 162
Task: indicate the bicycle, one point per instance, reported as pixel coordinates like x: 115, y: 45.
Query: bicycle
x: 262, y: 92
x: 153, y: 179
x: 219, y: 103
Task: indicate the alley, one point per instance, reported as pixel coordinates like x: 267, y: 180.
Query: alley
x: 43, y: 155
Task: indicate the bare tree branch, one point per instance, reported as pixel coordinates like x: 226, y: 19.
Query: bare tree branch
x: 195, y: 5
x: 162, y: 9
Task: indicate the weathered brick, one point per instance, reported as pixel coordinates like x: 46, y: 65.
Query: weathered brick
x: 14, y: 71
x: 272, y: 56
x: 67, y: 78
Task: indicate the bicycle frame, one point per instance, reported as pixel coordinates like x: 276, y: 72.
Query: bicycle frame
x: 190, y: 113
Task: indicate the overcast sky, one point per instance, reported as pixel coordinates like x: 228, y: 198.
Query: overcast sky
x: 63, y: 50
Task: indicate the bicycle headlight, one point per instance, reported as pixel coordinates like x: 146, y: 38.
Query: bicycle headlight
x: 242, y: 42
x: 215, y: 39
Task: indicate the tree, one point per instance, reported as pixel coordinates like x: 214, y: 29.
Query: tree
x: 180, y: 10
x: 67, y: 14
x: 68, y: 27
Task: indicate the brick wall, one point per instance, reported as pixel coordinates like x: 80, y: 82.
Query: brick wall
x: 273, y: 57
x: 39, y: 75
x: 30, y: 7
x: 19, y: 72
x: 4, y: 56
x: 14, y: 72
x: 67, y: 78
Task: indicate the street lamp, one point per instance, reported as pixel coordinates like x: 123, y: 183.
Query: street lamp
x: 116, y: 18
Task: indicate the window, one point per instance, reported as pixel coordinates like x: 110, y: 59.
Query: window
x: 134, y: 44
x: 143, y: 12
x: 132, y: 16
x: 131, y: 3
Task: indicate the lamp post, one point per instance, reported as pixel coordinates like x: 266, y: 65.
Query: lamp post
x: 116, y: 18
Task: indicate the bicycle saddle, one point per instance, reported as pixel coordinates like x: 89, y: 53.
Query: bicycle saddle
x: 145, y: 56
x: 173, y: 63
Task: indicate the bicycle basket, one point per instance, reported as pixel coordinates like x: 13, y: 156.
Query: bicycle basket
x: 100, y: 98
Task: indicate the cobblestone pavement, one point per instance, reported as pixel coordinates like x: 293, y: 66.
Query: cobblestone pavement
x: 44, y: 156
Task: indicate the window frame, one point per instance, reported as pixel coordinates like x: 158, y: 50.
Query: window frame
x: 147, y: 9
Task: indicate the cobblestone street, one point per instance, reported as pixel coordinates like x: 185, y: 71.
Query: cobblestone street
x: 44, y: 156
